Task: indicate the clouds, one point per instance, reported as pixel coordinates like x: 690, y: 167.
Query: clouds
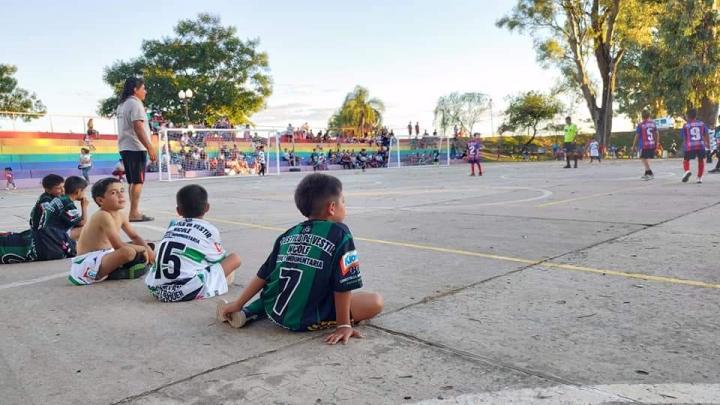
x: 296, y: 113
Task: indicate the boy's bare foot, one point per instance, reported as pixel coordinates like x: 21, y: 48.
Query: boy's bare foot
x: 237, y: 319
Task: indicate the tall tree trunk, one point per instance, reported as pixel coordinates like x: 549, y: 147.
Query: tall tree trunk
x: 708, y: 112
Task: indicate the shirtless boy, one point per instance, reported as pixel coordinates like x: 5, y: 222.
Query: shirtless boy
x: 100, y: 251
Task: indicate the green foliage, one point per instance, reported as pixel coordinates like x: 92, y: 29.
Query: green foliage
x: 528, y: 110
x: 229, y: 76
x: 359, y: 113
x: 462, y: 109
x: 16, y: 99
x: 571, y: 34
x: 680, y: 68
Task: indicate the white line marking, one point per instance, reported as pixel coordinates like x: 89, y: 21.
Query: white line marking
x: 34, y: 280
x: 591, y: 395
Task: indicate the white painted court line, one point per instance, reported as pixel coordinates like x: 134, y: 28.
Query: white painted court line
x: 35, y: 280
x: 591, y: 395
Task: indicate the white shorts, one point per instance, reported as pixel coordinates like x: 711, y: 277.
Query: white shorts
x: 208, y: 282
x: 84, y: 269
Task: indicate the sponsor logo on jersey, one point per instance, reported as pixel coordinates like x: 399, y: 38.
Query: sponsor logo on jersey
x: 349, y: 261
x: 218, y: 247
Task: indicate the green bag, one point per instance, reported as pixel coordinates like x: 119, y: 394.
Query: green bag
x: 16, y: 247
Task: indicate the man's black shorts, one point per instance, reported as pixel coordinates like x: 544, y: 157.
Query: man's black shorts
x: 692, y: 154
x: 135, y: 163
x: 647, y: 154
x: 569, y: 147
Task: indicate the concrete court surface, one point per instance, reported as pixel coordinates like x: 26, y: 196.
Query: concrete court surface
x: 531, y: 284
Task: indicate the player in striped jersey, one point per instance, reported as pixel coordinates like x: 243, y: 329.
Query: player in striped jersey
x: 694, y: 135
x: 191, y: 263
x: 306, y: 282
x: 646, y: 142
x: 473, y: 154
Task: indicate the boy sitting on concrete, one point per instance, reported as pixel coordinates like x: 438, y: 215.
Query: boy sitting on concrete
x: 191, y: 262
x: 307, y: 280
x: 101, y: 252
x: 51, y: 219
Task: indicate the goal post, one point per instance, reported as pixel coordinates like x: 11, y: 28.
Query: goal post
x: 194, y: 153
x: 425, y: 151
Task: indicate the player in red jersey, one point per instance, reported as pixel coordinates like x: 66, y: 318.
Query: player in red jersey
x: 473, y: 154
x: 646, y: 142
x: 694, y: 135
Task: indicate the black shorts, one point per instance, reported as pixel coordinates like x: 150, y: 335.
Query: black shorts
x: 135, y: 163
x: 690, y: 155
x: 569, y: 147
x: 647, y: 154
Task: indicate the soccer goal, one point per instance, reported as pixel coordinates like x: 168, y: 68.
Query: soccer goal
x: 192, y: 153
x: 426, y: 151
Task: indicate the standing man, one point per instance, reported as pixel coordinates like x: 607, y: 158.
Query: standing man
x: 646, y: 141
x: 570, y: 146
x: 694, y: 136
x: 474, y: 147
x: 134, y: 142
x: 417, y: 128
x: 717, y: 147
x: 410, y: 129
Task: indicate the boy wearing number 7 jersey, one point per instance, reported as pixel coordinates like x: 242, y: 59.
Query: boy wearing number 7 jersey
x: 646, y: 141
x: 307, y: 280
x: 191, y: 263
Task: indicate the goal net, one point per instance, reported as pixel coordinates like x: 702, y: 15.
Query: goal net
x: 425, y: 151
x: 192, y: 153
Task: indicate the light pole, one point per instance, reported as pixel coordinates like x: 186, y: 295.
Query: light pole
x: 185, y: 96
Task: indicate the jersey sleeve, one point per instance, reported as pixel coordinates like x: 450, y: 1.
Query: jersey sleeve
x: 137, y: 112
x: 346, y: 267
x: 70, y: 215
x: 267, y: 268
x: 215, y: 252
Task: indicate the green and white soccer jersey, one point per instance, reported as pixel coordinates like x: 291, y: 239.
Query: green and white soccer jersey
x: 308, y: 264
x: 187, y: 263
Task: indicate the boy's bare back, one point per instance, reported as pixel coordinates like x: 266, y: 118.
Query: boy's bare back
x: 102, y: 226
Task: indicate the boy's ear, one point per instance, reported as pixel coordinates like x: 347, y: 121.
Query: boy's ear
x: 207, y: 208
x: 177, y: 209
x: 331, y: 206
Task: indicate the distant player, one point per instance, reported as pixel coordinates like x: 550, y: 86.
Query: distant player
x: 9, y: 179
x: 191, y: 262
x: 646, y: 142
x: 716, y: 135
x: 474, y: 146
x: 571, y: 131
x: 594, y: 150
x: 694, y: 135
x: 308, y: 279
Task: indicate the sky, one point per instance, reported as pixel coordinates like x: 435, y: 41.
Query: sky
x: 407, y: 53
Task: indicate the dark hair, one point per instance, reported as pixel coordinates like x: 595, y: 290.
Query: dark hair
x: 100, y: 188
x: 131, y: 84
x: 646, y: 114
x: 191, y: 201
x: 314, y: 191
x: 51, y: 180
x: 74, y: 183
x: 85, y: 150
x: 8, y: 169
x: 692, y: 113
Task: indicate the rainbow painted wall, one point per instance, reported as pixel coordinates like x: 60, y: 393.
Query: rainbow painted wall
x: 34, y: 154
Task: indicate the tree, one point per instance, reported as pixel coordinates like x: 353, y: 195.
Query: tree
x: 358, y: 112
x: 228, y: 76
x: 16, y: 99
x: 529, y: 110
x: 681, y: 67
x: 570, y: 32
x: 463, y: 109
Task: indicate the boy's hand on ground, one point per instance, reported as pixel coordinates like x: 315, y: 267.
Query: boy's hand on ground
x: 342, y: 334
x: 228, y: 309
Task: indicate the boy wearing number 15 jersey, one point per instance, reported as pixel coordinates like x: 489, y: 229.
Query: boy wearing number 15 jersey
x: 191, y: 263
x: 306, y: 282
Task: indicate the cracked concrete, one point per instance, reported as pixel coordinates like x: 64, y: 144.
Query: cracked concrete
x: 479, y: 307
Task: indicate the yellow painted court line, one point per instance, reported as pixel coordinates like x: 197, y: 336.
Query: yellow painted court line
x: 551, y: 265
x: 605, y: 193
